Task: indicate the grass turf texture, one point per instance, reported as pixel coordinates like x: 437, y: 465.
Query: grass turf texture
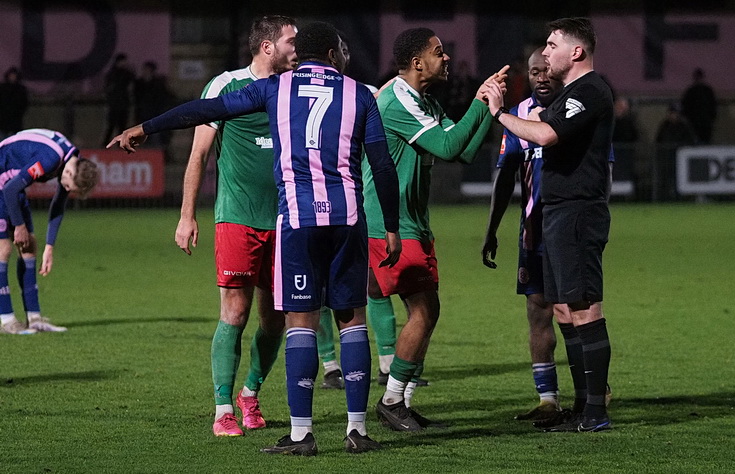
x: 128, y: 388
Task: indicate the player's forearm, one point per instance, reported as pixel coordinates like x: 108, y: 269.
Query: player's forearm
x: 386, y: 182
x: 500, y: 198
x: 530, y: 130
x: 192, y: 183
x: 11, y: 191
x: 470, y: 152
x: 195, y: 112
x: 195, y: 169
x: 449, y: 144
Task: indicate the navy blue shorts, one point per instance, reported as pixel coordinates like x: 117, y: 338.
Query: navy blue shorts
x: 530, y: 273
x: 5, y: 225
x: 320, y: 266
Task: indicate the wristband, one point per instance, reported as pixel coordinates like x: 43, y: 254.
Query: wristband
x: 501, y: 111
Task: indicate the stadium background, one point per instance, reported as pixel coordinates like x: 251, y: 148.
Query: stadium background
x: 646, y: 50
x: 127, y: 388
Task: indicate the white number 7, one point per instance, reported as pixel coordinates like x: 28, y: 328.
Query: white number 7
x: 323, y: 96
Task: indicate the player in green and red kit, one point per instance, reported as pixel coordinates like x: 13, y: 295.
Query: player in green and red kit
x: 245, y: 217
x: 417, y: 131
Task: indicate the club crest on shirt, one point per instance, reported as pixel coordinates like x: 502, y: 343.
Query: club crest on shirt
x: 573, y: 107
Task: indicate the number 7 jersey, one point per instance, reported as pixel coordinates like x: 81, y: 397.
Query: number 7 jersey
x: 319, y: 121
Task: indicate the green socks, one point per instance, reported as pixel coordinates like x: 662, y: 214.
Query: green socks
x: 325, y: 336
x: 226, y: 352
x: 263, y: 354
x: 382, y: 320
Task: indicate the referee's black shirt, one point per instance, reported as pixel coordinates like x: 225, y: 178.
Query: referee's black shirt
x: 576, y: 168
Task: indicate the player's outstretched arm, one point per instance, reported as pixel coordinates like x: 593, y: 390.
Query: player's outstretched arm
x: 47, y: 261
x: 187, y: 230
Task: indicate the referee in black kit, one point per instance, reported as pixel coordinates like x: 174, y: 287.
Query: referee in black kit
x: 576, y: 133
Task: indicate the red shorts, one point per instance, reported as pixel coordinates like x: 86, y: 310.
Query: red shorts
x: 244, y: 256
x: 415, y: 271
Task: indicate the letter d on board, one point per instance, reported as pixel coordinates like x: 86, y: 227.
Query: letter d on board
x: 103, y: 42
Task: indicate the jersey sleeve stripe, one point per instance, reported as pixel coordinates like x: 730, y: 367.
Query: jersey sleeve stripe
x: 349, y: 93
x: 421, y: 132
x: 401, y: 91
x: 523, y: 110
x: 284, y: 135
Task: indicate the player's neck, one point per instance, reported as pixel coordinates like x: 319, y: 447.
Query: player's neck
x: 578, y: 71
x: 415, y: 81
x: 261, y: 67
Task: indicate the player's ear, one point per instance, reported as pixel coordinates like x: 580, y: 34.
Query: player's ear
x: 417, y: 64
x: 578, y: 53
x: 332, y: 55
x: 266, y: 47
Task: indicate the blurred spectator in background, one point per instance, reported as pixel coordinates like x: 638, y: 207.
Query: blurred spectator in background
x: 517, y: 82
x: 13, y: 103
x: 673, y: 132
x: 625, y: 138
x: 626, y: 126
x: 699, y: 106
x: 460, y: 91
x: 152, y: 98
x: 118, y: 82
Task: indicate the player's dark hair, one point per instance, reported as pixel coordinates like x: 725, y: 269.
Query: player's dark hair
x: 87, y: 176
x: 314, y: 41
x: 267, y: 28
x: 410, y: 44
x: 579, y: 28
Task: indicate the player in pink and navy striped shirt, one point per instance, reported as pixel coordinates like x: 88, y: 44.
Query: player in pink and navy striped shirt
x: 320, y: 122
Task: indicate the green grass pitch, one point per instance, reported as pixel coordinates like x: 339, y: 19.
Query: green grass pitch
x: 128, y: 388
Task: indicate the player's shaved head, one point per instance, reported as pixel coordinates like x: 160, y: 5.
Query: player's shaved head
x: 314, y: 41
x: 536, y: 56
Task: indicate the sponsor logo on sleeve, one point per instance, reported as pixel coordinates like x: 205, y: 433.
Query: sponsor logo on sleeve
x: 36, y: 171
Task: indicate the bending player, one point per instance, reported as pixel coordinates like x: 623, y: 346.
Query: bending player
x: 26, y: 157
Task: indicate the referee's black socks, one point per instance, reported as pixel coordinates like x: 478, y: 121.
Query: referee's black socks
x: 596, y: 349
x: 573, y: 345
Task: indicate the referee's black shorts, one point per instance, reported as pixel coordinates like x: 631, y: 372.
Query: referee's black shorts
x: 575, y: 234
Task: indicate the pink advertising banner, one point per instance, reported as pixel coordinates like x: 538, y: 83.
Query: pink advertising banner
x: 61, y: 47
x: 657, y: 55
